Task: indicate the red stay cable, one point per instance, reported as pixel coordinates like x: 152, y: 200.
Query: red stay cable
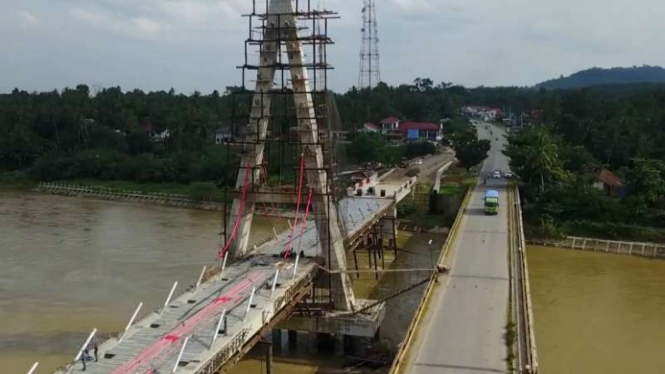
x: 304, y: 223
x: 241, y: 209
x: 287, y: 250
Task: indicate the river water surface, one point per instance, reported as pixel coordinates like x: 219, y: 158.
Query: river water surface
x: 68, y: 265
x: 598, y: 313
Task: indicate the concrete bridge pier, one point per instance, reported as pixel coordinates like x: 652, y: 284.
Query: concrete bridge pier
x: 389, y: 229
x: 314, y: 342
x: 340, y: 344
x: 277, y: 340
x: 345, y: 345
x: 268, y: 351
x: 293, y: 339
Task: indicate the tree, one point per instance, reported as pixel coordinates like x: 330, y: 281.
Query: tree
x: 416, y: 149
x: 367, y: 147
x: 534, y: 156
x: 646, y: 179
x: 469, y: 150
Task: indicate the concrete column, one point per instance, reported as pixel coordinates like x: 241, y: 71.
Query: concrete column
x: 269, y: 358
x: 313, y: 342
x: 293, y: 339
x: 339, y: 344
x: 277, y: 340
x: 326, y: 342
x: 349, y: 344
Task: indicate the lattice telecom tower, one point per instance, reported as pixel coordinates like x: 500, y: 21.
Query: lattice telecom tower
x: 370, y: 74
x: 282, y: 130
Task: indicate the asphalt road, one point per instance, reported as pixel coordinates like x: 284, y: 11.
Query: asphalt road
x: 462, y: 331
x: 427, y: 169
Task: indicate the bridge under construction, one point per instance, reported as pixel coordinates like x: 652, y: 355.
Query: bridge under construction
x: 250, y: 290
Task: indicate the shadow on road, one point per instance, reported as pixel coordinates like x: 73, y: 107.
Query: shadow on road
x: 475, y: 211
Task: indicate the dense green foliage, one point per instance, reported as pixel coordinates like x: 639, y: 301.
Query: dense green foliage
x: 621, y: 129
x: 373, y: 147
x: 598, y: 76
x: 469, y: 150
x: 111, y: 134
x: 71, y: 134
x: 425, y: 101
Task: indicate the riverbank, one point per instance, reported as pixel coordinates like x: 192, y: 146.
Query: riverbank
x: 208, y: 191
x: 15, y: 181
x: 103, y: 193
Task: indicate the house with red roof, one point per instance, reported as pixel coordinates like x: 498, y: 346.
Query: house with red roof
x: 609, y: 183
x: 420, y: 131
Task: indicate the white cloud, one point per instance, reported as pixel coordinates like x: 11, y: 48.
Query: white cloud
x: 28, y: 19
x: 413, y: 6
x: 200, y: 14
x: 146, y: 25
x: 134, y: 27
x: 97, y: 19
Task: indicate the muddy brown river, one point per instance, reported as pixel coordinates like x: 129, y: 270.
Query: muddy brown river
x: 598, y: 313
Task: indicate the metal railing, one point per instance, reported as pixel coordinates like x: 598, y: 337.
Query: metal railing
x: 229, y: 350
x: 523, y: 307
x: 132, y: 195
x: 643, y: 249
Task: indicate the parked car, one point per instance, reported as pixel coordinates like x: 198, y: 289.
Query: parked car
x: 496, y: 174
x: 508, y: 174
x: 419, y: 162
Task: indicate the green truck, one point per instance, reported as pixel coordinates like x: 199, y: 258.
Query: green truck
x: 492, y: 202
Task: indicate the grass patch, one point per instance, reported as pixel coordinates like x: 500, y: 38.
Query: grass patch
x: 15, y: 181
x: 458, y: 175
x: 509, y: 337
x: 452, y: 188
x: 600, y: 230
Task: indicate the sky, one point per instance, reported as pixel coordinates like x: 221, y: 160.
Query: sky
x: 195, y: 45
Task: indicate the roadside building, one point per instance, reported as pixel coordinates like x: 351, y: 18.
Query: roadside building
x: 609, y: 183
x: 389, y: 124
x: 155, y: 134
x: 227, y: 134
x: 420, y: 131
x: 370, y: 128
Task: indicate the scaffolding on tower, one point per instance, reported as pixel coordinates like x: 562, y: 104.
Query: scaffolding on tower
x: 282, y: 124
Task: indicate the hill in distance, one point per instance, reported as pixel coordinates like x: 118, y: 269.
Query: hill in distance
x: 613, y: 76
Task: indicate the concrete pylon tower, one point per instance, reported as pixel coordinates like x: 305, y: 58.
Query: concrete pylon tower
x: 281, y: 35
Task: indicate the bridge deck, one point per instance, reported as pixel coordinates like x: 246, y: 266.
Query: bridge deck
x: 153, y: 344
